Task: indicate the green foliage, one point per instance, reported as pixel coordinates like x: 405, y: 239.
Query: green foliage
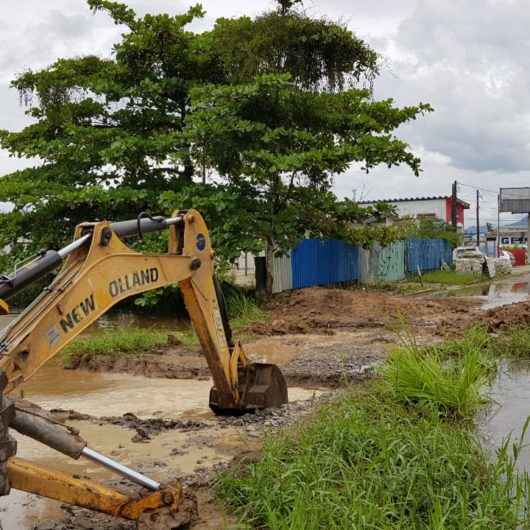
x: 286, y: 143
x: 436, y: 229
x: 230, y: 213
x: 314, y: 52
x: 243, y: 309
x: 270, y: 108
x: 286, y: 5
x: 366, y: 461
x: 108, y: 132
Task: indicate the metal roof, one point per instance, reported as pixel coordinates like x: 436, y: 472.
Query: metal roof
x: 410, y: 199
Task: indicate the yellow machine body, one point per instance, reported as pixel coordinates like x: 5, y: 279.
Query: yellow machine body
x: 94, y: 278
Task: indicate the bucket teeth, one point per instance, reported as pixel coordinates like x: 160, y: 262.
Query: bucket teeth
x: 261, y: 386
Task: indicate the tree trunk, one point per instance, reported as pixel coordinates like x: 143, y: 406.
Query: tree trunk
x: 187, y: 174
x: 269, y: 259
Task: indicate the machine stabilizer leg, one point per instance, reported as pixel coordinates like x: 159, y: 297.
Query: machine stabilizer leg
x: 8, y: 446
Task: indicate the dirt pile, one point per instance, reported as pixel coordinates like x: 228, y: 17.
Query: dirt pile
x: 146, y: 428
x: 323, y: 310
x: 318, y: 336
x: 508, y: 316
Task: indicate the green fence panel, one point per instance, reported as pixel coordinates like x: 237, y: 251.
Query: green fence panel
x: 382, y: 264
x: 391, y: 262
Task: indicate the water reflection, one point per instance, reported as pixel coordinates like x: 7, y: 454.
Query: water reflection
x: 506, y: 293
x: 511, y: 407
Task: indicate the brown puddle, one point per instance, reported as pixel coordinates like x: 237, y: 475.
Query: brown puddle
x: 169, y: 454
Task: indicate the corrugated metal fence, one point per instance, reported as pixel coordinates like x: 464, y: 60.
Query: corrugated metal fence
x: 324, y: 262
x: 282, y: 274
x: 328, y: 262
x: 382, y: 264
x: 427, y: 254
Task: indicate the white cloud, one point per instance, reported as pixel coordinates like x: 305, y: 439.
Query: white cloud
x: 469, y: 59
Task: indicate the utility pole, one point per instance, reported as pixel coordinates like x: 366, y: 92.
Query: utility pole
x: 499, y: 225
x: 478, y: 218
x: 454, y: 200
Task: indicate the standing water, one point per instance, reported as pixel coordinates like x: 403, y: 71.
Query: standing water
x: 107, y: 394
x: 510, y: 408
x: 509, y: 292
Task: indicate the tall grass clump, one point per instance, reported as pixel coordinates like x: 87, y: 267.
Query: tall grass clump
x: 447, y: 380
x: 366, y: 461
x: 243, y: 309
x: 476, y: 339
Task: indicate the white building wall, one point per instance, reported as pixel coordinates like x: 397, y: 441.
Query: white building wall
x: 438, y: 207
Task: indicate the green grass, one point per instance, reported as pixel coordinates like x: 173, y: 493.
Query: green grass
x: 367, y: 461
x: 451, y: 278
x: 514, y: 343
x: 120, y: 340
x: 448, y: 387
x: 244, y: 310
x: 391, y: 453
x: 117, y: 341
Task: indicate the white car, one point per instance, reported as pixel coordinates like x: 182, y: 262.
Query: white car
x: 468, y: 253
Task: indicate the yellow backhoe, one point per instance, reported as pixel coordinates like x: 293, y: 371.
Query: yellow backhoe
x: 98, y: 270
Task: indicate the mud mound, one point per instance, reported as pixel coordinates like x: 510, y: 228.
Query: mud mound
x: 168, y: 364
x: 508, y: 316
x: 146, y: 428
x: 322, y: 310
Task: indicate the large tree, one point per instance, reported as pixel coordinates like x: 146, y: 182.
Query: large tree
x: 269, y: 109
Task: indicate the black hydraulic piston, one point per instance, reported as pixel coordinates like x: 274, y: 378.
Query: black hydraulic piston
x: 49, y: 261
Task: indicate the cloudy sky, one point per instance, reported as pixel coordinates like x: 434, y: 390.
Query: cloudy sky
x: 470, y: 59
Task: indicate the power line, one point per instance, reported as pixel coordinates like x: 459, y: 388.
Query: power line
x: 478, y: 188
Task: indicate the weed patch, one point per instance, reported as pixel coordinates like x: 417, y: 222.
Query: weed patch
x: 244, y: 310
x: 452, y: 278
x: 366, y: 461
x: 117, y: 341
x: 389, y: 453
x: 514, y: 343
x: 447, y: 379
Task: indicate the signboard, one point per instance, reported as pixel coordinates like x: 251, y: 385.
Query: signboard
x: 514, y: 200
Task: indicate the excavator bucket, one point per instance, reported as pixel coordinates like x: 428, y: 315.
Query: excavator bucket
x: 261, y: 386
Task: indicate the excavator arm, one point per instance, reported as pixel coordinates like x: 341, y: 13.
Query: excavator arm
x: 98, y: 270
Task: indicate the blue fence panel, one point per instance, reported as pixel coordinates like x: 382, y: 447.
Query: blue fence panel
x: 428, y: 254
x: 324, y: 262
